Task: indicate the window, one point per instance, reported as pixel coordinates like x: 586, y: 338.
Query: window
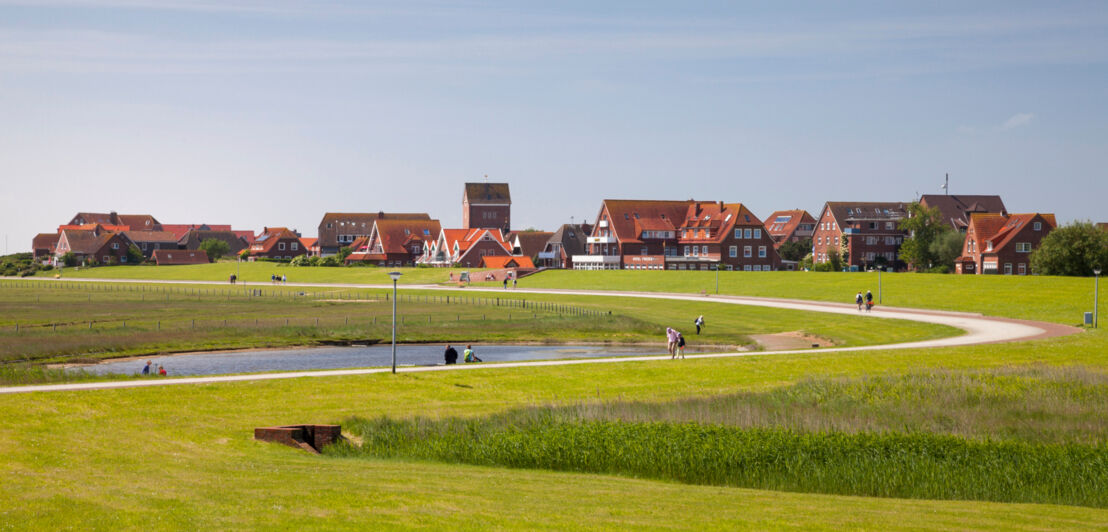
x: 1023, y: 268
x: 761, y: 252
x: 281, y: 246
x: 1007, y: 268
x: 747, y: 233
x: 686, y: 251
x: 890, y: 240
x: 747, y: 251
x: 746, y: 267
x: 889, y: 225
x: 819, y: 240
x: 295, y: 246
x: 1023, y: 247
x: 988, y: 245
x: 873, y: 225
x: 738, y: 233
x: 733, y: 251
x: 642, y: 250
x: 115, y: 245
x: 1038, y: 226
x: 144, y: 246
x: 695, y: 250
x: 704, y: 250
x: 757, y: 233
x: 757, y: 267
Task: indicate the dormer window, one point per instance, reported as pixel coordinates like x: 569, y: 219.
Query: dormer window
x: 1038, y: 226
x: 636, y: 216
x: 988, y: 245
x: 626, y: 216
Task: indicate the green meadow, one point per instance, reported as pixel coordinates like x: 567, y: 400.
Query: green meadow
x: 997, y: 436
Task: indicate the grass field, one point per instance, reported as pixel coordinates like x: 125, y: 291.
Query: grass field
x: 1056, y: 299
x: 260, y: 272
x: 182, y: 456
x: 48, y: 322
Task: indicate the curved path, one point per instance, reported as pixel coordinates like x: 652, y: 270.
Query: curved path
x: 978, y: 330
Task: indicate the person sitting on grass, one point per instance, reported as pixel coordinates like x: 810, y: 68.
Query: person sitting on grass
x: 470, y: 356
x: 161, y: 370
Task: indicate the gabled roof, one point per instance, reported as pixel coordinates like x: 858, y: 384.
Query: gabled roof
x: 45, y: 241
x: 717, y: 218
x: 1001, y: 229
x: 395, y: 235
x: 465, y: 238
x: 867, y: 211
x: 139, y: 222
x: 270, y: 236
x: 647, y: 214
x: 96, y: 227
x: 248, y: 236
x: 368, y: 218
x: 529, y: 242
x: 164, y: 257
x: 784, y: 223
x: 308, y: 242
x: 956, y: 208
x: 105, y: 218
x: 483, y: 193
x: 181, y: 229
x: 151, y: 236
x: 501, y: 262
x: 572, y: 238
x: 85, y: 242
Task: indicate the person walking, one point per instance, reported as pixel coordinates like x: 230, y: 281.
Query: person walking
x: 858, y: 299
x: 470, y: 356
x: 505, y: 283
x: 671, y: 342
x: 513, y: 282
x: 681, y: 345
x: 451, y: 355
x: 146, y: 368
x: 699, y: 323
x: 869, y: 300
x: 284, y: 280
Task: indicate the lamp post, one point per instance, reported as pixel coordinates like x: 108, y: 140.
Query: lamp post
x: 395, y: 276
x: 879, y: 270
x: 1096, y: 295
x: 717, y: 279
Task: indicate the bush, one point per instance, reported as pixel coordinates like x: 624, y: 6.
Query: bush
x: 1073, y: 249
x: 69, y: 259
x: 331, y: 261
x: 215, y: 248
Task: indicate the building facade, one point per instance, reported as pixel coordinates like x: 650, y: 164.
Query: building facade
x: 487, y: 206
x: 999, y: 244
x: 866, y: 234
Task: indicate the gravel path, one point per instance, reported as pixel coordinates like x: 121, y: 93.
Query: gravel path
x: 978, y: 330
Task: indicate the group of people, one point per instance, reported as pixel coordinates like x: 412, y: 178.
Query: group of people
x: 278, y: 279
x: 234, y: 278
x: 506, y: 282
x: 469, y: 355
x: 148, y: 369
x: 866, y: 300
x: 676, y: 340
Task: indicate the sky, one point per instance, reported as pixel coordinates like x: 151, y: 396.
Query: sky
x: 273, y: 112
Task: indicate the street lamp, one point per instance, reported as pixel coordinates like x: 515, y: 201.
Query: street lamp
x: 879, y: 270
x: 717, y: 278
x: 1096, y: 295
x: 395, y: 277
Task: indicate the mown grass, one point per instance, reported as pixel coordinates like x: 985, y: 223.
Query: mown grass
x: 260, y: 272
x: 907, y: 465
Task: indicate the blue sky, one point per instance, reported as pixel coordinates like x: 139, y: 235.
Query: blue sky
x: 273, y: 112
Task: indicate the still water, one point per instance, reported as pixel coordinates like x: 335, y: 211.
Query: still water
x: 296, y: 359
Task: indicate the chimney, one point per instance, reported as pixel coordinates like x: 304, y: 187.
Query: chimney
x: 720, y: 205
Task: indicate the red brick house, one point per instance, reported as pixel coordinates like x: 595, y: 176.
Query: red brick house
x: 528, y: 243
x: 43, y: 245
x: 957, y: 208
x: 341, y: 229
x: 194, y: 237
x: 867, y: 233
x: 677, y: 235
x: 150, y: 241
x: 105, y: 247
x: 277, y: 243
x: 179, y: 230
x: 487, y: 206
x: 790, y: 226
x: 467, y: 247
x: 169, y: 257
x: 996, y: 243
x: 567, y: 241
x: 394, y: 242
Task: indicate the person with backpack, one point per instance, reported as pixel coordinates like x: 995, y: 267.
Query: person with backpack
x: 681, y: 345
x: 699, y: 322
x: 869, y: 300
x: 470, y: 356
x: 859, y: 300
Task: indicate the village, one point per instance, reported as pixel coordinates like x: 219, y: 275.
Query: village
x: 625, y: 234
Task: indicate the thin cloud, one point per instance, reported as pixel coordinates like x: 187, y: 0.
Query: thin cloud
x: 1017, y: 120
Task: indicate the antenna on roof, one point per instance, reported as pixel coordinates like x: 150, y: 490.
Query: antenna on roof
x: 486, y: 179
x: 946, y: 185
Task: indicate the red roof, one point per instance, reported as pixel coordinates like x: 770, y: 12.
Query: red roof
x: 180, y: 229
x: 308, y: 242
x: 506, y: 262
x: 95, y: 227
x: 1001, y: 229
x: 167, y: 257
x: 394, y: 236
x: 783, y: 223
x: 659, y: 215
x: 270, y: 237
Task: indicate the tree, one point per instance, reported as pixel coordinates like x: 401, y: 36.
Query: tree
x: 215, y: 248
x: 1073, y: 249
x: 134, y: 255
x: 344, y: 252
x: 946, y: 249
x: 924, y: 227
x: 793, y: 250
x: 69, y: 259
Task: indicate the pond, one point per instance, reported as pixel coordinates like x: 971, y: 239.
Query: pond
x: 299, y: 359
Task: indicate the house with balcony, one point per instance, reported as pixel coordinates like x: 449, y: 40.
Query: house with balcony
x: 341, y: 229
x: 866, y: 234
x: 467, y: 247
x: 394, y: 242
x: 677, y: 235
x: 1002, y: 244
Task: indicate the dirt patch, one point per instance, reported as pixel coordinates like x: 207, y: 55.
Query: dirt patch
x: 790, y: 340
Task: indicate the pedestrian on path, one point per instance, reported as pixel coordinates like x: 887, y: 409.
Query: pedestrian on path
x: 451, y: 355
x: 699, y: 323
x: 505, y: 283
x: 858, y: 299
x: 681, y: 345
x: 869, y: 300
x: 671, y: 342
x: 513, y: 282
